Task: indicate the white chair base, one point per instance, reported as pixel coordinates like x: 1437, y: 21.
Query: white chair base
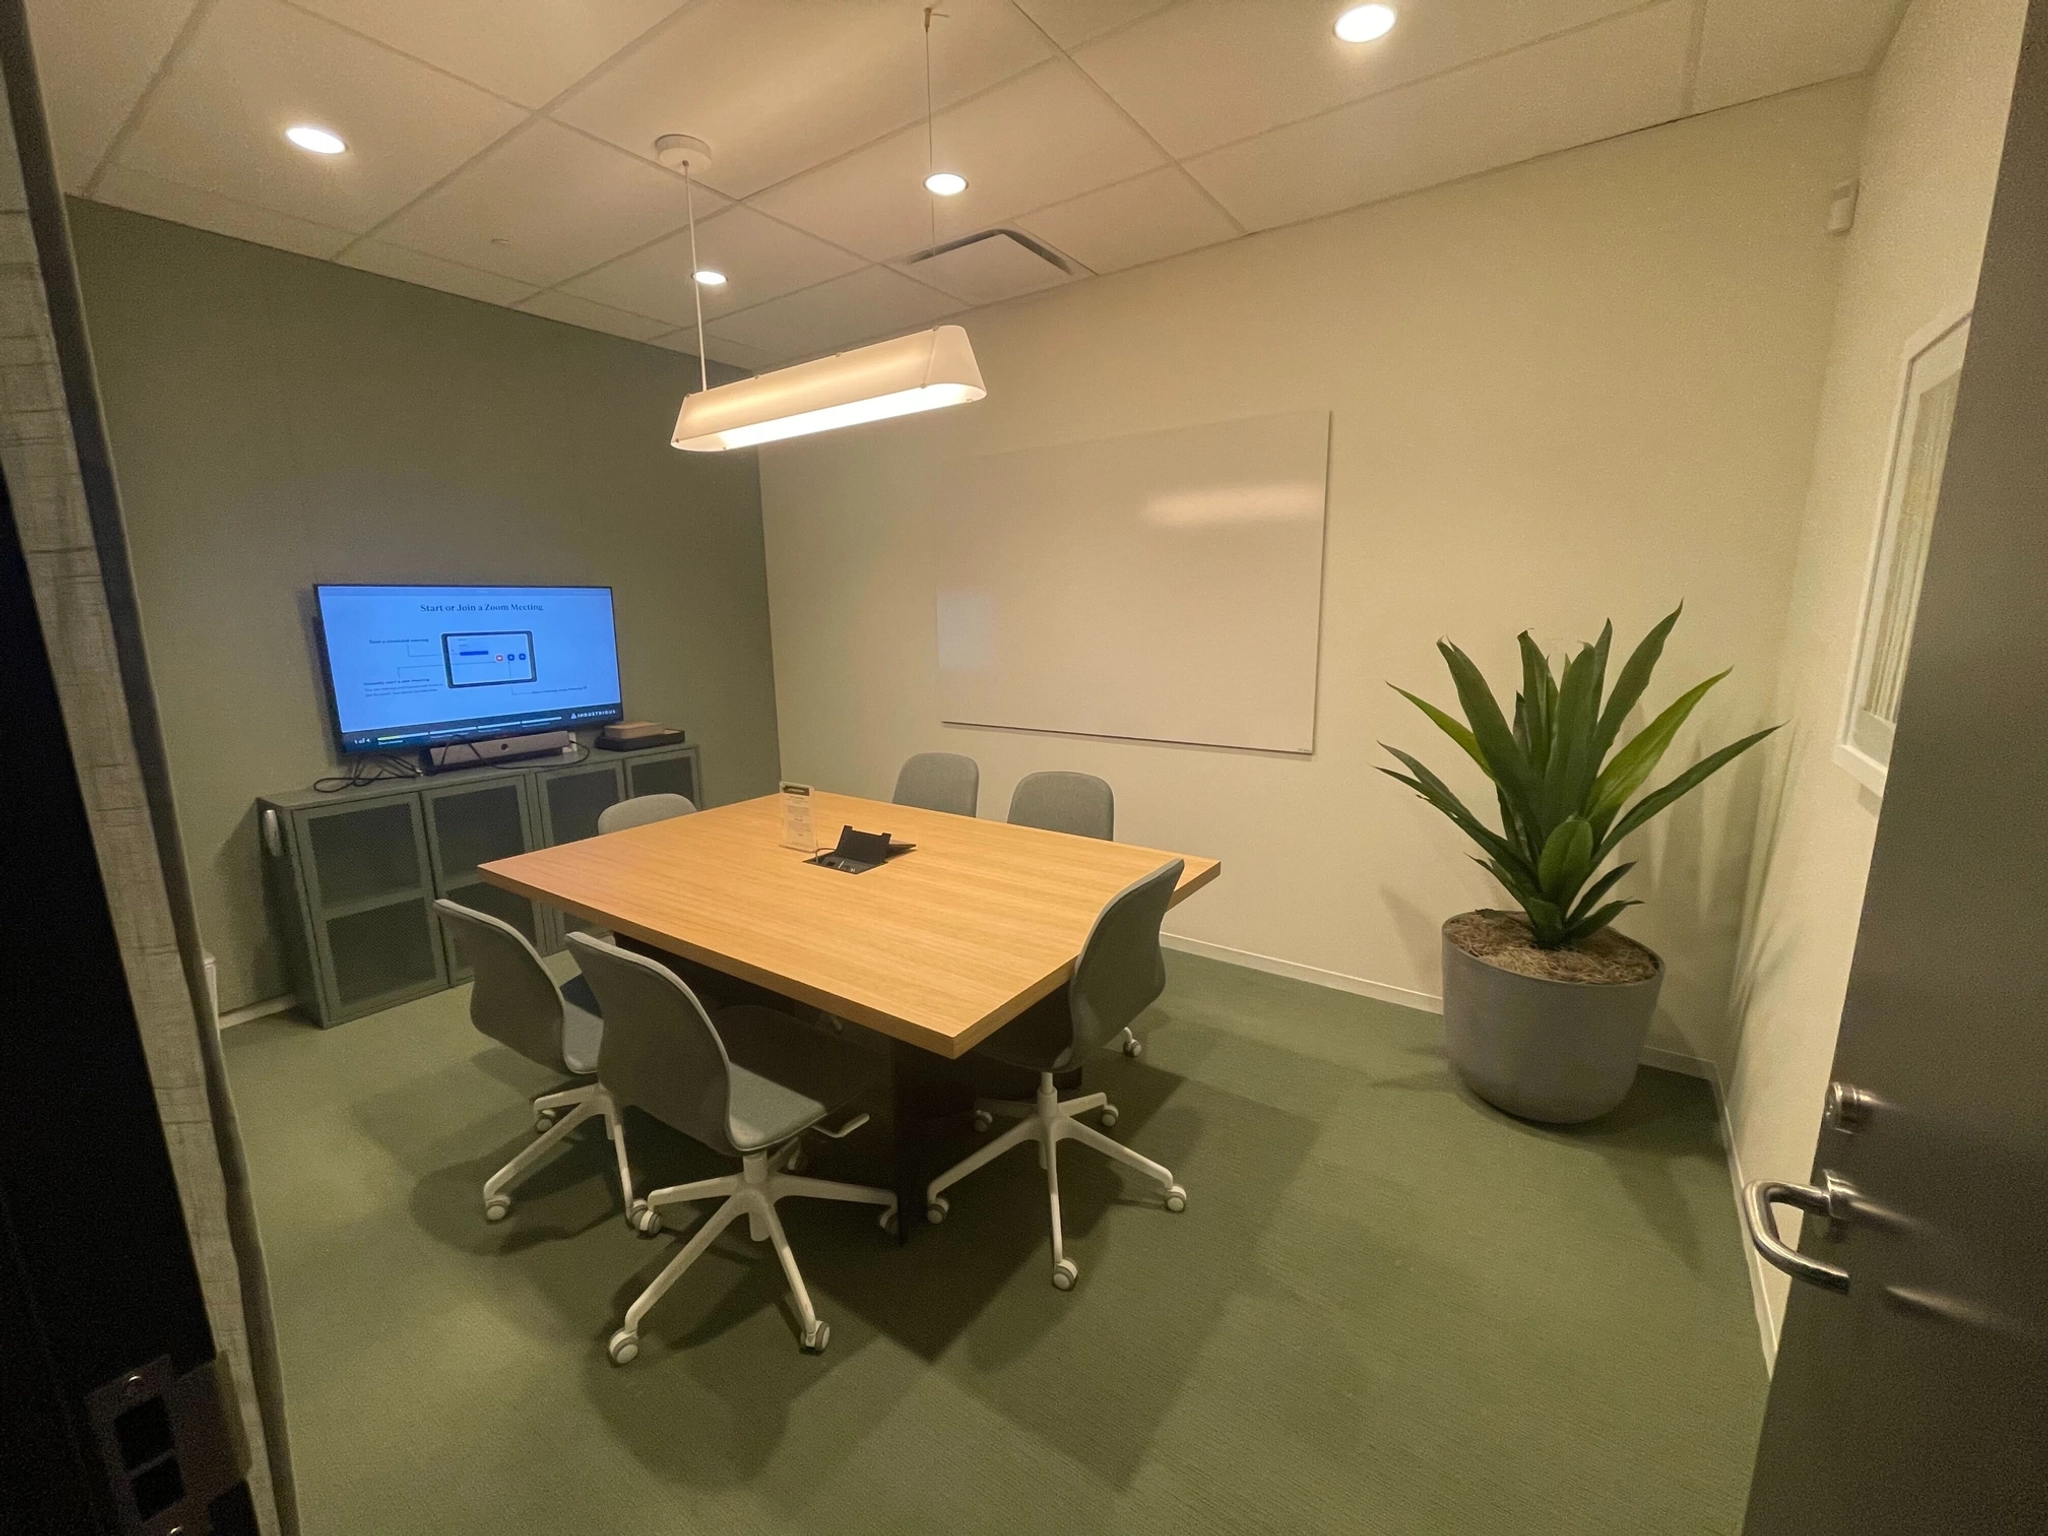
x: 584, y: 1103
x: 762, y: 1180
x: 1047, y: 1122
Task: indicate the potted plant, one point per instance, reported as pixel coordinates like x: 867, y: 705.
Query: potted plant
x: 1545, y: 1011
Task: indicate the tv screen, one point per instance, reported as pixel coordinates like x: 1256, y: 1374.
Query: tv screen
x: 424, y: 666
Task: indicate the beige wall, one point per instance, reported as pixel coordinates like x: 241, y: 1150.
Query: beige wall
x: 1929, y: 163
x: 1581, y: 387
x: 278, y: 421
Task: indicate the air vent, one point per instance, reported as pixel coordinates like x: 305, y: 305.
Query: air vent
x: 993, y: 265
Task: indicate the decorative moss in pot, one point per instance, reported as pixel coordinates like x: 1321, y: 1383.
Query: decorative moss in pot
x: 1545, y: 1011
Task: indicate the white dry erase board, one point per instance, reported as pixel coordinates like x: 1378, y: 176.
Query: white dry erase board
x: 1165, y: 586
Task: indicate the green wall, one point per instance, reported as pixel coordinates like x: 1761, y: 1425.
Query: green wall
x: 278, y: 421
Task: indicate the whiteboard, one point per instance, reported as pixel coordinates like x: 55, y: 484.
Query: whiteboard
x: 1165, y: 586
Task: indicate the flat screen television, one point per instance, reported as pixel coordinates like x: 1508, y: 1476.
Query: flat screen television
x: 426, y: 666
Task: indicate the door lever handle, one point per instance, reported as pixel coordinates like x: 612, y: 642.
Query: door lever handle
x: 1833, y: 1201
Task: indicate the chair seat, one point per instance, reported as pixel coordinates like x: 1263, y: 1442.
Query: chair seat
x: 582, y: 1027
x: 1040, y: 1039
x: 785, y: 1077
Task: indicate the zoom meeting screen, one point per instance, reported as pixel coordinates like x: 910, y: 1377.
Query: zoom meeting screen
x: 422, y: 666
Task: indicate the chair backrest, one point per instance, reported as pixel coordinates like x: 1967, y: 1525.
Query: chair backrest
x: 641, y: 809
x: 1079, y: 803
x: 940, y: 781
x: 513, y: 1000
x: 660, y: 1052
x: 1121, y: 970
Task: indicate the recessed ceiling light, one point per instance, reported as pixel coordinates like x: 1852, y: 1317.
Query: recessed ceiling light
x: 945, y: 184
x: 711, y: 279
x: 1363, y: 23
x: 316, y: 140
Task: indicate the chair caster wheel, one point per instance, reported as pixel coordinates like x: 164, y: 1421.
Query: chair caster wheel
x: 983, y: 1120
x: 623, y: 1348
x: 935, y: 1211
x: 543, y: 1122
x: 1176, y: 1199
x: 645, y: 1218
x: 816, y: 1337
x: 1134, y: 1047
x: 497, y: 1208
x: 1108, y: 1116
x: 887, y: 1221
x: 1064, y: 1274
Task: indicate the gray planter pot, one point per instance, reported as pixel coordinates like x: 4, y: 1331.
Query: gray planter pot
x: 1556, y: 1051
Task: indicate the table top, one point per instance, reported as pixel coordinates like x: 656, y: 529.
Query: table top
x: 939, y: 947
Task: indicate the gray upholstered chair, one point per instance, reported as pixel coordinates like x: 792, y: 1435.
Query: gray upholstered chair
x: 1120, y: 972
x: 1079, y: 803
x: 514, y: 1001
x: 642, y: 809
x: 940, y: 781
x: 747, y: 1085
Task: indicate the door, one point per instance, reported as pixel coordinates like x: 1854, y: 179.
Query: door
x: 1911, y: 1391
x: 370, y: 891
x: 472, y: 824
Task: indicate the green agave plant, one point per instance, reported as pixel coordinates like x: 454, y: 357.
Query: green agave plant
x: 1561, y: 795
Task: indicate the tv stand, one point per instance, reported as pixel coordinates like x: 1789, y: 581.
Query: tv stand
x: 497, y: 749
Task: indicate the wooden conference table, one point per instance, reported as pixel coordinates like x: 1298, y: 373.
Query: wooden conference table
x: 936, y: 950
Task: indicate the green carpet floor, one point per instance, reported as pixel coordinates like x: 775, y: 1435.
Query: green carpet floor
x: 1387, y: 1309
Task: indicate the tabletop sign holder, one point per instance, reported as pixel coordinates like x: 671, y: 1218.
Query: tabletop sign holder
x: 796, y: 818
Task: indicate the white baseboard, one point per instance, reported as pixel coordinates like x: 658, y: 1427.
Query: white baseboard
x: 1273, y: 966
x: 262, y: 1010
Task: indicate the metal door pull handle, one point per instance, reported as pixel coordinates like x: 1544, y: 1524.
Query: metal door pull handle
x: 1757, y: 1200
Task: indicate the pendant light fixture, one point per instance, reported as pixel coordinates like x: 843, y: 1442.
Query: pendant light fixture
x: 923, y: 372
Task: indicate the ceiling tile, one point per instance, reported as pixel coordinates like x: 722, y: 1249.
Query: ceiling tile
x: 778, y: 86
x: 544, y: 205
x: 254, y: 67
x: 874, y: 202
x: 1071, y: 23
x: 94, y: 58
x: 761, y: 259
x: 1619, y: 76
x: 529, y: 50
x: 209, y: 210
x: 861, y: 306
x: 433, y: 272
x: 571, y: 310
x: 1210, y: 72
x: 1755, y: 48
x: 1158, y: 214
x: 753, y: 359
x: 989, y: 270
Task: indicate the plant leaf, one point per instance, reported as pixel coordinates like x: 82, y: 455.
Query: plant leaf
x: 1571, y: 768
x: 1504, y: 757
x: 1638, y: 760
x: 1537, y: 691
x: 1545, y: 921
x: 1585, y: 927
x: 1567, y: 856
x: 1450, y: 725
x: 1634, y: 680
x: 1598, y: 889
x: 1687, y: 781
x: 1440, y: 795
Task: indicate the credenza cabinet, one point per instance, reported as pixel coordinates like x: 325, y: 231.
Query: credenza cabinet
x: 351, y: 876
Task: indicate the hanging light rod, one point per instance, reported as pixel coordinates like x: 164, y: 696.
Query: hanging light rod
x: 924, y: 372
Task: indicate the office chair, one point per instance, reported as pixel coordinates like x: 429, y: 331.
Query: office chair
x: 748, y: 1086
x: 1079, y: 803
x: 516, y: 1002
x: 1119, y: 974
x: 940, y: 781
x: 642, y: 809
